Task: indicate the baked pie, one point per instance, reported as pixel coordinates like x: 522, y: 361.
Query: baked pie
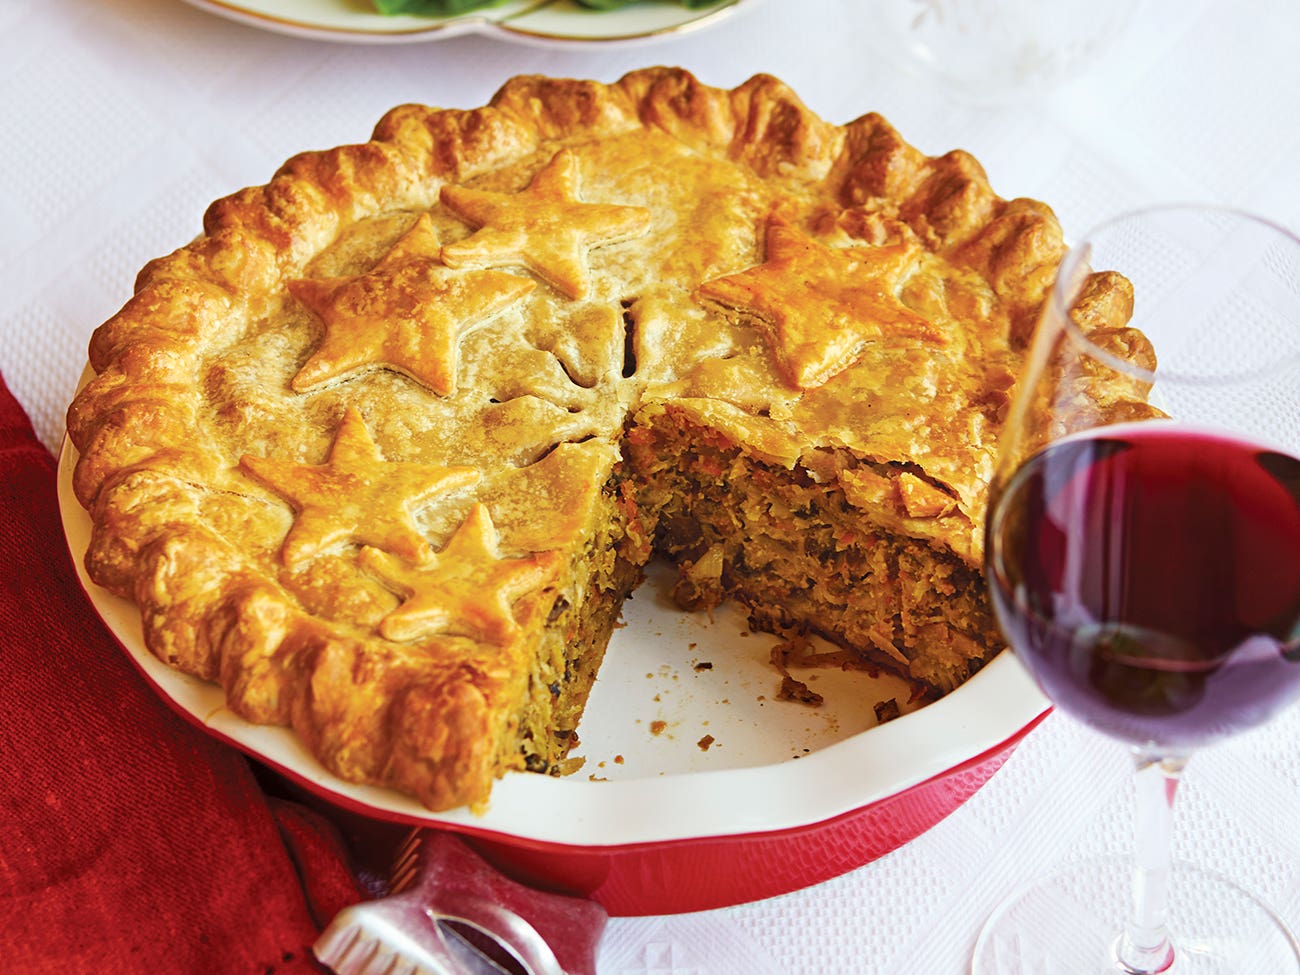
x: 383, y: 451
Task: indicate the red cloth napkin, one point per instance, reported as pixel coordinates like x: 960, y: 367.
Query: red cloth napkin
x: 129, y: 841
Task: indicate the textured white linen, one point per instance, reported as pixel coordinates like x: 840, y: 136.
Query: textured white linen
x: 123, y: 119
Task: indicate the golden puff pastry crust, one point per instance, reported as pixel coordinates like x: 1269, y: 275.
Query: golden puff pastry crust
x: 361, y: 451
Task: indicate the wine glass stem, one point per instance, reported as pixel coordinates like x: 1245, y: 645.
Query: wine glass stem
x: 1145, y: 948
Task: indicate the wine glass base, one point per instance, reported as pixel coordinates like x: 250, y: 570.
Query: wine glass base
x: 1067, y: 924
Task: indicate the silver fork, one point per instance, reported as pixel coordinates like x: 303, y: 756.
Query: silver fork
x: 450, y: 913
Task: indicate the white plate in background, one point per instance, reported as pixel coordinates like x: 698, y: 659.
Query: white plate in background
x: 540, y: 21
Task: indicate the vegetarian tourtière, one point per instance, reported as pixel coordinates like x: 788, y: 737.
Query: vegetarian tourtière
x: 385, y: 448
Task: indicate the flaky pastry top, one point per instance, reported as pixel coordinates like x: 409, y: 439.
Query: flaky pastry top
x: 340, y: 448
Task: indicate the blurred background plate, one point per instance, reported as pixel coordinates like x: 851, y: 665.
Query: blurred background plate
x: 539, y: 21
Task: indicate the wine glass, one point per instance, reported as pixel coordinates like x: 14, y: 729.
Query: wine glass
x: 1143, y: 559
x: 994, y: 52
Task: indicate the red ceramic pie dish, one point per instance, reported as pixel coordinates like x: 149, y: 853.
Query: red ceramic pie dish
x: 699, y: 788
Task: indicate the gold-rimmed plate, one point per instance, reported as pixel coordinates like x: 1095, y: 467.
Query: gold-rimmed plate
x: 538, y: 21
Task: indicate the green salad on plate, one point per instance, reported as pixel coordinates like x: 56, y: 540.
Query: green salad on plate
x: 448, y: 8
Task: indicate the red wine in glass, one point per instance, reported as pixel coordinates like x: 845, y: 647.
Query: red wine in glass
x: 1149, y: 577
x: 1142, y: 553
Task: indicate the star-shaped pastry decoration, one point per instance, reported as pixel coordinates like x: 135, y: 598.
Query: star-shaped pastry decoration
x: 355, y: 496
x: 543, y: 227
x: 408, y: 312
x: 467, y: 590
x: 819, y: 306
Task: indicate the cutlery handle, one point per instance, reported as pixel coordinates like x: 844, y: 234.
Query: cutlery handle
x: 548, y: 933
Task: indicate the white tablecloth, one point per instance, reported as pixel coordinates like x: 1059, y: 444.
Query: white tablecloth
x: 122, y: 119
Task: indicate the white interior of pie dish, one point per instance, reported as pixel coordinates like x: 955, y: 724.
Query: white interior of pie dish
x: 674, y: 748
